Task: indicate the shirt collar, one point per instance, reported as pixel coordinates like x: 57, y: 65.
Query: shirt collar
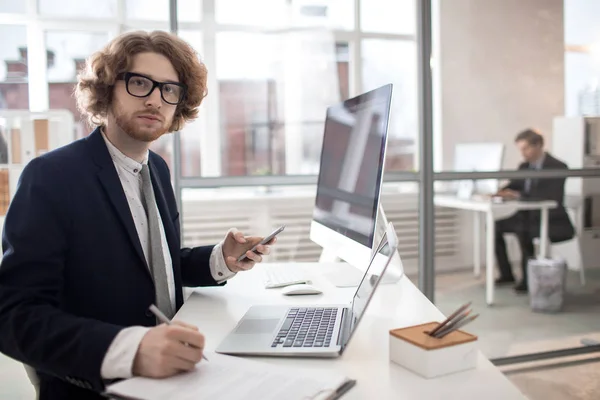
x: 128, y: 164
x: 540, y: 162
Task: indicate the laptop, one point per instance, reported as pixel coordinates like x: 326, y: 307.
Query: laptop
x: 309, y: 331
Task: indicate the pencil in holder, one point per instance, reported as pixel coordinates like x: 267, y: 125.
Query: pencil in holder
x: 430, y: 357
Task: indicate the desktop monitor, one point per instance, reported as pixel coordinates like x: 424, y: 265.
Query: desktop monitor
x: 479, y: 157
x: 350, y: 175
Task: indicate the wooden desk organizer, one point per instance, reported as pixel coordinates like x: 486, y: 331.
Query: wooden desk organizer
x: 429, y: 357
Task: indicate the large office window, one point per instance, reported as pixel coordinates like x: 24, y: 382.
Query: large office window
x: 274, y: 67
x: 67, y: 52
x: 384, y: 16
x: 89, y: 9
x: 12, y: 7
x: 14, y: 88
x: 278, y: 64
x: 395, y: 61
x: 155, y: 10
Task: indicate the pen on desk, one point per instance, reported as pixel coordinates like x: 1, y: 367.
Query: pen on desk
x: 163, y: 318
x: 450, y: 318
x: 458, y: 325
x: 339, y: 392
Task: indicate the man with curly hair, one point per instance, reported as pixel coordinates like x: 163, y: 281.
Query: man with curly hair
x: 91, y: 238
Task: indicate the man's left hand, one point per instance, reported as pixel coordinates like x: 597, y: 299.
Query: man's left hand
x: 235, y: 244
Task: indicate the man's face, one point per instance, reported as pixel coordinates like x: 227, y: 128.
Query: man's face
x: 145, y: 118
x: 530, y: 153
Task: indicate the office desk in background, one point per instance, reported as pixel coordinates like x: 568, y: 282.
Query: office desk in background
x: 493, y: 212
x: 216, y: 310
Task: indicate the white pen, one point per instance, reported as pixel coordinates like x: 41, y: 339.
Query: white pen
x: 163, y: 318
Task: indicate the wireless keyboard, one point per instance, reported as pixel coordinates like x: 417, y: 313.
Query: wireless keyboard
x: 275, y: 277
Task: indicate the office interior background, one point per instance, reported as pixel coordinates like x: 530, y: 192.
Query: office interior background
x: 251, y: 159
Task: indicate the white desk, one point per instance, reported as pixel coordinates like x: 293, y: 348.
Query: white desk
x: 216, y: 311
x: 495, y: 211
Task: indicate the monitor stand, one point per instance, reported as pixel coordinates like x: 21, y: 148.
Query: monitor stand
x: 342, y: 274
x: 338, y: 272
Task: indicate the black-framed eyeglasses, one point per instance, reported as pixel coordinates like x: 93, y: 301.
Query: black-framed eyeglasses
x: 139, y: 85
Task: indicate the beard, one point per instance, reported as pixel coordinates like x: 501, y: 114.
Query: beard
x: 136, y: 129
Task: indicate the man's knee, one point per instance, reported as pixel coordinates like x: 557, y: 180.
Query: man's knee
x: 501, y: 229
x: 525, y: 241
x: 499, y: 237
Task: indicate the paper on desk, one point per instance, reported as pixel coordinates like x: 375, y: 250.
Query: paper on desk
x: 232, y: 378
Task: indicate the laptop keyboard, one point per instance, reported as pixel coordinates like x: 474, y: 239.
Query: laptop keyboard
x: 307, y: 327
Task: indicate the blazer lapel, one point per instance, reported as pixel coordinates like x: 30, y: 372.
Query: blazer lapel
x: 112, y: 185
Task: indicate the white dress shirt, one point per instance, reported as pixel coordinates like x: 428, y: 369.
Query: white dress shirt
x: 118, y: 361
x: 537, y: 165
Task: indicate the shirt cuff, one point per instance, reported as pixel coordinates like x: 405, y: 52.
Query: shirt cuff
x: 218, y: 267
x: 118, y: 361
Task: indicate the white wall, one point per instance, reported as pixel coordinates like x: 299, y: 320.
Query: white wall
x: 498, y: 69
x: 501, y: 69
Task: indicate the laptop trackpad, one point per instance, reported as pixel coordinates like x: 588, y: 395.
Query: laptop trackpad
x: 257, y: 326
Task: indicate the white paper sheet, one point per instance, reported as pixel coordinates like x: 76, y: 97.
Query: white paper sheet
x: 232, y: 378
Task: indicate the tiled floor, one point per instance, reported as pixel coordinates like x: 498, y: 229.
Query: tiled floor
x: 507, y: 328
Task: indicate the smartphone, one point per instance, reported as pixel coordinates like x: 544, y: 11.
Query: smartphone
x: 266, y: 240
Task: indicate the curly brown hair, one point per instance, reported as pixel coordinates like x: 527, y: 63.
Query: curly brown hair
x: 95, y: 82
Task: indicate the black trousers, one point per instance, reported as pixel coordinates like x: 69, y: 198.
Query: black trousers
x: 519, y: 224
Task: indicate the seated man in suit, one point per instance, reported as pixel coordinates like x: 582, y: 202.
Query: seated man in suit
x: 526, y: 224
x: 92, y: 237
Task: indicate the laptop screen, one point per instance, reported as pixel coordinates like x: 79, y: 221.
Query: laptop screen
x: 366, y: 288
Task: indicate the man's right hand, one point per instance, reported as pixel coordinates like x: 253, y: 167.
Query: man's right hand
x: 167, y: 350
x: 509, y: 194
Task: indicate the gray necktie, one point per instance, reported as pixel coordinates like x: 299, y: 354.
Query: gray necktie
x: 528, y: 181
x: 158, y: 267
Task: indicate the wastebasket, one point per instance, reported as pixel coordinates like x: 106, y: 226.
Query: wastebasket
x: 546, y: 280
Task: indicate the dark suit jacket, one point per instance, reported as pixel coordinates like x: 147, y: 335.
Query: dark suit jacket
x: 560, y: 227
x: 73, y: 273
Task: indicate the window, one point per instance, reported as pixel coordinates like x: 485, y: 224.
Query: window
x: 385, y: 16
x: 14, y: 89
x: 395, y: 61
x: 273, y: 92
x: 66, y: 53
x: 274, y: 68
x: 158, y: 10
x: 189, y: 10
x: 147, y: 10
x: 248, y: 88
x: 78, y: 8
x: 262, y: 13
x: 333, y: 14
x: 191, y: 135
x: 13, y: 7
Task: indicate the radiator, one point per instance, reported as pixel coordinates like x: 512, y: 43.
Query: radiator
x: 207, y: 219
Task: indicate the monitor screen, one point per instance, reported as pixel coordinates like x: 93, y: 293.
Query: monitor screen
x: 479, y: 157
x: 352, y: 161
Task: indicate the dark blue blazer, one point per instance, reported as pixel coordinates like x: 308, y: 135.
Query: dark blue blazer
x: 560, y: 226
x: 73, y: 273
